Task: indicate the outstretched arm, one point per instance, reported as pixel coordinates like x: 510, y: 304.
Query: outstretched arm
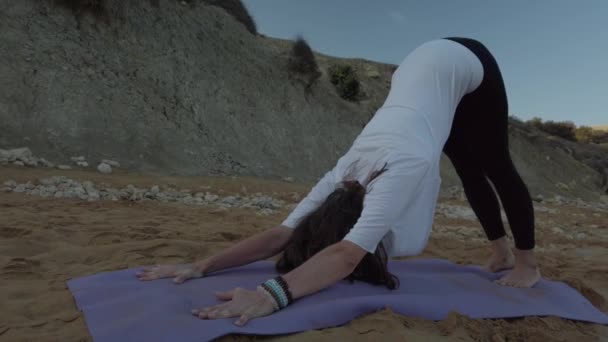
x: 254, y: 248
x: 324, y: 269
x: 273, y: 241
x: 257, y: 247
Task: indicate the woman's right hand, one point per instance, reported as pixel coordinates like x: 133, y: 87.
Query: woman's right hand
x: 179, y: 273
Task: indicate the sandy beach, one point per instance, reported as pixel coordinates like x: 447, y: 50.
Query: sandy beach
x: 46, y: 241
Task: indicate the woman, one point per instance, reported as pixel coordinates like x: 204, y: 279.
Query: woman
x: 379, y: 200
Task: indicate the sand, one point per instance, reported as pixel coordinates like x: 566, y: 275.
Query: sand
x: 44, y: 242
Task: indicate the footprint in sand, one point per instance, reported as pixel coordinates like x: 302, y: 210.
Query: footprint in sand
x: 22, y: 267
x: 10, y: 232
x: 230, y: 236
x: 144, y: 233
x: 152, y: 250
x: 223, y: 237
x: 105, y: 238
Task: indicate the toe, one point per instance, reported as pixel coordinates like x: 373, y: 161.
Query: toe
x: 505, y: 281
x: 500, y: 281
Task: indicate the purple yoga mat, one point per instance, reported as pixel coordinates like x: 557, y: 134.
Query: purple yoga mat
x: 118, y: 307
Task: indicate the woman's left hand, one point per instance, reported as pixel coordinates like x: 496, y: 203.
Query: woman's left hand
x: 240, y: 303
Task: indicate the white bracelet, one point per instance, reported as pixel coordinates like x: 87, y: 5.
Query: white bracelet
x: 275, y: 305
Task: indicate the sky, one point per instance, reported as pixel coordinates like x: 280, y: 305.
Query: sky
x: 553, y: 53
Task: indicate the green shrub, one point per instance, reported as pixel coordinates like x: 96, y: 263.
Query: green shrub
x: 584, y: 134
x: 563, y: 129
x: 344, y: 78
x: 536, y: 123
x: 302, y: 59
x: 516, y: 118
x: 568, y: 130
x: 238, y: 11
x: 599, y: 137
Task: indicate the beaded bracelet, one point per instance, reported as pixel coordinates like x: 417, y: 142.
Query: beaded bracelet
x: 275, y: 304
x: 285, y: 288
x: 272, y: 293
x: 279, y: 291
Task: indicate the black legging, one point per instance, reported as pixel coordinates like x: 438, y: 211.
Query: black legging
x: 478, y: 147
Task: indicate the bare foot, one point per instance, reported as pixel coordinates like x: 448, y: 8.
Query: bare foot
x: 502, y: 257
x: 525, y: 273
x: 500, y: 262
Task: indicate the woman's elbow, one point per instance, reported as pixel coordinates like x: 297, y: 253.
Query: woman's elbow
x: 351, y: 253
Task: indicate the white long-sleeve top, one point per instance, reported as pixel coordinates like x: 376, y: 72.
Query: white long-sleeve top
x: 407, y: 134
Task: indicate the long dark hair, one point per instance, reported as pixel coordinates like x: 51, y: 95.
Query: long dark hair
x: 327, y: 225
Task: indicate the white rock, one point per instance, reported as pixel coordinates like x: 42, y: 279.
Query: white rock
x: 46, y: 193
x: 112, y: 163
x: 48, y: 181
x: 538, y: 198
x: 545, y: 210
x: 104, y: 168
x: 124, y: 195
x: 266, y: 212
x: 6, y: 189
x: 4, y: 155
x: 288, y: 179
x: 79, y: 190
x: 82, y: 163
x: 230, y: 200
x: 59, y: 194
x: 10, y: 183
x: 19, y: 188
x: 91, y: 191
x: 154, y: 190
x: 21, y: 153
x: 210, y: 197
x: 77, y: 159
x: 112, y: 192
x: 33, y: 161
x: 46, y: 163
x: 18, y: 163
x: 264, y: 202
x: 64, y: 167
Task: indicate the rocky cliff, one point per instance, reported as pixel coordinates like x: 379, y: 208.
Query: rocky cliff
x: 183, y: 88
